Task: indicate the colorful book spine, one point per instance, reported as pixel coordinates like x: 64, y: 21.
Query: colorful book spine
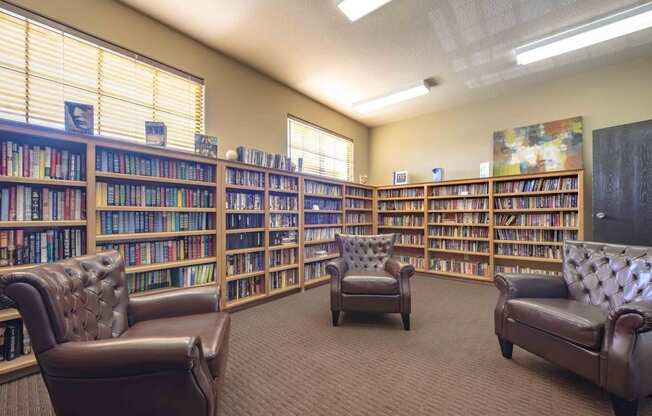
x: 26, y: 203
x: 41, y: 162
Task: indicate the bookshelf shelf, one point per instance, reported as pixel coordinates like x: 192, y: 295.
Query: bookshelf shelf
x: 168, y: 289
x: 462, y: 275
x: 321, y: 196
x: 401, y: 227
x: 154, y: 209
x: 402, y: 198
x: 284, y: 267
x: 359, y: 209
x: 244, y: 275
x: 540, y: 243
x: 149, y: 236
x: 169, y: 265
x: 317, y: 281
x: 41, y: 224
x: 459, y: 196
x: 466, y: 252
x: 245, y: 188
x: 155, y: 179
x: 359, y: 224
x: 284, y: 289
x: 457, y: 210
x: 441, y: 237
x: 320, y: 258
x: 322, y: 225
x: 243, y: 301
x: 309, y: 242
x: 244, y: 211
x: 281, y: 211
x: 362, y: 198
x: 44, y: 182
x: 535, y: 193
x: 8, y: 314
x: 527, y: 258
x: 283, y: 191
x: 19, y: 363
x: 244, y: 250
x: 421, y: 246
x: 452, y: 224
x: 244, y: 230
x: 322, y: 211
x: 283, y: 247
x: 533, y: 227
x: 283, y: 229
x: 535, y: 210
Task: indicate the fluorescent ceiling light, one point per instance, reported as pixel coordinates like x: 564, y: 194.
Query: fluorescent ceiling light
x: 355, y: 9
x: 396, y: 97
x: 601, y: 30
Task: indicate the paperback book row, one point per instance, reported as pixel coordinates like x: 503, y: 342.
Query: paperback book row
x: 315, y: 270
x: 243, y: 177
x: 322, y: 204
x: 26, y: 203
x: 279, y: 258
x: 114, y: 194
x: 152, y: 222
x: 411, y: 239
x: 538, y: 185
x: 164, y: 251
x: 283, y: 220
x: 236, y: 221
x: 408, y: 220
x: 358, y: 204
x: 245, y: 263
x: 321, y: 188
x: 320, y: 219
x: 459, y: 204
x: 321, y: 234
x: 283, y: 183
x: 359, y: 229
x: 460, y: 190
x: 419, y: 262
x: 128, y: 163
x: 478, y: 268
x: 171, y: 278
x: 416, y: 205
x: 547, y: 201
x: 281, y: 238
x: 244, y: 240
x: 244, y: 288
x: 41, y: 162
x: 401, y: 193
x: 458, y: 218
x: 264, y: 159
x: 244, y: 201
x: 563, y: 219
x: 14, y: 340
x: 283, y: 279
x: 536, y: 235
x: 283, y: 203
x: 527, y: 270
x: 357, y: 218
x: 317, y: 250
x: 458, y: 231
x: 528, y: 250
x: 359, y: 192
x: 21, y: 247
x: 469, y: 246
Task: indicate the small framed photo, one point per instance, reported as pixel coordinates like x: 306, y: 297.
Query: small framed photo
x: 400, y: 177
x: 437, y: 174
x: 156, y: 134
x: 78, y: 118
x: 206, y: 145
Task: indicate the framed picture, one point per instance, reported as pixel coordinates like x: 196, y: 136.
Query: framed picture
x: 400, y: 177
x: 78, y: 118
x: 156, y: 134
x: 206, y: 145
x: 437, y: 174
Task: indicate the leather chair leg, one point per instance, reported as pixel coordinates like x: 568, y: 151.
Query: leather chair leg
x: 406, y: 321
x: 624, y: 407
x: 336, y: 317
x: 506, y: 347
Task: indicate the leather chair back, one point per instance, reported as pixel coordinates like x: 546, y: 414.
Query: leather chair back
x: 607, y: 275
x: 78, y: 299
x: 366, y: 253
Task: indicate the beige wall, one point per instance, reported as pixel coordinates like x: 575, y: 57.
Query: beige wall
x: 460, y: 139
x: 242, y: 105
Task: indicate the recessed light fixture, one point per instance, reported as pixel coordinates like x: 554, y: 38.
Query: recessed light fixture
x: 374, y: 104
x: 600, y: 30
x: 355, y: 9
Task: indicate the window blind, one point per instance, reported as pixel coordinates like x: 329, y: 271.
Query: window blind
x: 43, y: 65
x: 324, y: 153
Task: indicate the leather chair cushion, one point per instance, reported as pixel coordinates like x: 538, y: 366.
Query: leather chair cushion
x: 212, y: 328
x: 577, y: 322
x: 370, y: 283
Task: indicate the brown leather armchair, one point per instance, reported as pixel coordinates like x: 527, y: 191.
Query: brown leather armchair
x: 367, y: 279
x: 101, y: 353
x: 596, y: 321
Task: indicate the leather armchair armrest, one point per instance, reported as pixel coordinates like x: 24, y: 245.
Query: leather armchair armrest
x: 399, y: 270
x: 518, y: 285
x: 337, y: 268
x: 636, y: 316
x: 176, y: 303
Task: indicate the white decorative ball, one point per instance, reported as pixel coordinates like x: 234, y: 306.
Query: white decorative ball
x: 231, y: 155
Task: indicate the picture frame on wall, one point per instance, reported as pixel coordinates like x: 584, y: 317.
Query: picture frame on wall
x: 400, y: 177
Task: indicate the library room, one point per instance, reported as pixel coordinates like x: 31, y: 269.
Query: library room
x: 325, y: 207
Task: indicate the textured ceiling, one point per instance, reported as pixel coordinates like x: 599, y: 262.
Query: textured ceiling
x: 466, y: 45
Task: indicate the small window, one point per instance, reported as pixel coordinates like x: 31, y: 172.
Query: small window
x: 323, y: 153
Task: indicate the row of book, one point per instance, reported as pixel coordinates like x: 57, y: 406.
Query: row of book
x: 409, y: 239
x: 527, y: 270
x: 283, y: 202
x: 407, y: 220
x: 536, y: 235
x: 546, y: 201
x: 236, y: 221
x: 243, y: 177
x: 118, y: 194
x: 469, y: 246
x: 557, y: 219
x: 321, y: 188
x: 164, y: 251
x: 14, y: 340
x: 568, y: 183
x: 359, y: 192
x: 459, y: 204
x: 283, y: 279
x: 171, y: 278
x: 283, y: 220
x: 26, y: 203
x: 358, y: 204
x: 264, y: 159
x: 401, y: 193
x: 41, y: 162
x: 281, y: 238
x: 152, y: 222
x: 321, y: 234
x: 359, y: 229
x: 129, y: 163
x: 244, y: 288
x: 324, y: 204
x: 244, y: 240
x: 283, y: 257
x: 528, y: 250
x: 314, y: 270
x: 324, y: 249
x: 419, y: 262
x: 244, y: 263
x: 283, y: 183
x: 460, y: 190
x: 474, y: 268
x: 358, y: 217
x: 19, y: 247
x: 244, y: 200
x: 458, y: 218
x: 460, y: 231
x: 312, y: 218
x: 415, y: 205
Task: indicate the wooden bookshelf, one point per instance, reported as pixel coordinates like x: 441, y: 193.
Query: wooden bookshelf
x: 359, y: 211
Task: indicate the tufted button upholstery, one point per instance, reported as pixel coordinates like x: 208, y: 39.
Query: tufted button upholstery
x: 366, y: 253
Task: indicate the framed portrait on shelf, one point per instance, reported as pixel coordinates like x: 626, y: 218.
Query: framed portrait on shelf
x: 79, y: 118
x: 400, y: 177
x: 156, y: 133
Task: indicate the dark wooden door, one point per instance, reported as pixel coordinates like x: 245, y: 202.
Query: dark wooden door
x: 622, y: 184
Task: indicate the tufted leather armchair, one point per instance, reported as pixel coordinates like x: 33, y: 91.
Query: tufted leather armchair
x: 596, y: 321
x: 101, y: 353
x: 365, y: 278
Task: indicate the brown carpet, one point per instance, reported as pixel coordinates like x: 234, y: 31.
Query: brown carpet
x: 286, y: 359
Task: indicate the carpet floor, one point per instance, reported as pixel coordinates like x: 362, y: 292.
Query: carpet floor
x: 287, y: 359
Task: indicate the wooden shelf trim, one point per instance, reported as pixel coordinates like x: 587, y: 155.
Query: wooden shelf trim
x: 443, y: 237
x: 244, y: 275
x: 470, y: 253
x: 169, y: 265
x: 157, y: 179
x: 42, y: 181
x: 148, y: 236
x: 284, y: 267
x: 527, y: 258
x: 320, y: 258
x: 42, y: 224
x: 154, y: 209
x: 244, y: 250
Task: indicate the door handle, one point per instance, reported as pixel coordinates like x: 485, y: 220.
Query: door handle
x: 600, y: 215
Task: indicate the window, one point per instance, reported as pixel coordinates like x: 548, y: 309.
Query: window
x: 43, y: 64
x: 324, y: 153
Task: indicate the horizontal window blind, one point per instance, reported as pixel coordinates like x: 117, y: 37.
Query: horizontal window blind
x: 41, y: 66
x: 323, y: 152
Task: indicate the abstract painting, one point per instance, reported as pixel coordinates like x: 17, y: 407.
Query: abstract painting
x: 545, y: 147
